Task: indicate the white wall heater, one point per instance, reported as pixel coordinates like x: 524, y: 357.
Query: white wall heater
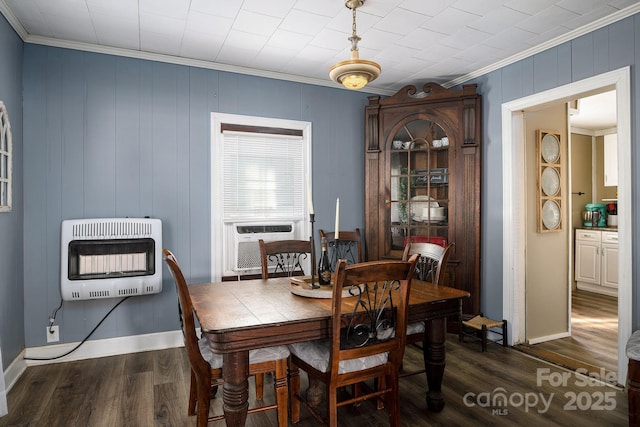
x: 110, y: 257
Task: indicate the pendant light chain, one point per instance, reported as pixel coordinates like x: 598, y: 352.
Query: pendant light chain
x: 354, y: 39
x: 353, y: 26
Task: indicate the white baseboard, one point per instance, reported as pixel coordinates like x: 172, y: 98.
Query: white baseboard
x: 90, y: 350
x: 598, y: 289
x: 548, y: 338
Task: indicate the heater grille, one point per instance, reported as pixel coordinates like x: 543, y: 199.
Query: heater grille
x: 128, y: 292
x: 112, y: 228
x: 99, y: 294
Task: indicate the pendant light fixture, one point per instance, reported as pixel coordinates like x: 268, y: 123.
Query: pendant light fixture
x: 354, y: 73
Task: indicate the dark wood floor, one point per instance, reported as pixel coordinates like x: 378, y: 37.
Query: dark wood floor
x: 593, y: 343
x: 150, y: 389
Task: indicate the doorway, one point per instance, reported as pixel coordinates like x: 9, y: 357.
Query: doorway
x: 514, y: 237
x: 587, y: 338
x: 594, y: 300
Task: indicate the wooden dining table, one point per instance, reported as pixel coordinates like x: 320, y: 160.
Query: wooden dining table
x: 236, y: 317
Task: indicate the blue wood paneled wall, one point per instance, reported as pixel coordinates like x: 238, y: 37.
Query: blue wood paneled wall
x: 112, y: 137
x: 606, y: 49
x: 108, y: 136
x: 11, y: 243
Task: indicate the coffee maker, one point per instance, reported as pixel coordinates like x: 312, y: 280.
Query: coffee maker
x: 612, y: 214
x: 595, y: 215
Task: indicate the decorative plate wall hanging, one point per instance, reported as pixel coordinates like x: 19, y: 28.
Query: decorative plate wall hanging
x: 550, y: 182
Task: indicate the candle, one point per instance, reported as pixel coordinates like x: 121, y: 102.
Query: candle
x: 309, y: 196
x: 337, y: 233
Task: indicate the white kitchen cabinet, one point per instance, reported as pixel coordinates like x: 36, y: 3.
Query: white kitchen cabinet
x: 609, y: 277
x: 588, y: 256
x: 596, y: 261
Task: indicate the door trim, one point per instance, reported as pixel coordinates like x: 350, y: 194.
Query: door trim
x: 513, y: 190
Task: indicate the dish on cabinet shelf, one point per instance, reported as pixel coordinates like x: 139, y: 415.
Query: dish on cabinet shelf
x: 400, y: 145
x: 432, y: 202
x: 426, y: 209
x: 424, y: 202
x: 433, y: 219
x: 419, y: 203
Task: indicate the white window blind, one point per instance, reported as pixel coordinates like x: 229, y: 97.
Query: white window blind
x: 263, y: 176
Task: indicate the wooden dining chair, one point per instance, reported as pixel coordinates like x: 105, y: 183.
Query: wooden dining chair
x: 367, y: 342
x: 432, y: 262
x: 284, y: 257
x: 206, y: 366
x: 348, y: 246
x: 429, y: 268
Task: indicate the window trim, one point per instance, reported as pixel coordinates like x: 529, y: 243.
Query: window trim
x: 6, y: 199
x: 220, y: 228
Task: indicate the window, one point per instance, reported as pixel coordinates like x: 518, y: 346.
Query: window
x: 263, y: 176
x: 259, y: 170
x: 5, y: 160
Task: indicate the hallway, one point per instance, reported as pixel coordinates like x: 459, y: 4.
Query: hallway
x: 593, y: 341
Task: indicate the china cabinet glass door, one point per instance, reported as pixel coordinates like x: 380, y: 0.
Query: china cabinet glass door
x: 419, y: 187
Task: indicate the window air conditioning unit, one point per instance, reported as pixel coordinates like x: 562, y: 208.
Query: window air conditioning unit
x: 246, y: 250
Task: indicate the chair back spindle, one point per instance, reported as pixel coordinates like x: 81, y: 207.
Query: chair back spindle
x: 284, y: 257
x: 348, y: 246
x: 432, y: 262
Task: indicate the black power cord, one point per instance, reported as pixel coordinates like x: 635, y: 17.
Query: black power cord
x: 52, y: 318
x: 84, y: 340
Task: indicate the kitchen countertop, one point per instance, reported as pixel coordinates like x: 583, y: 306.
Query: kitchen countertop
x: 598, y: 228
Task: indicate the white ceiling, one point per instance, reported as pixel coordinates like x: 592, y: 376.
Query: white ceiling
x: 596, y: 112
x: 414, y: 41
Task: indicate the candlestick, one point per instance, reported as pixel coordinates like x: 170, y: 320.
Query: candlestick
x: 337, y: 232
x: 309, y: 196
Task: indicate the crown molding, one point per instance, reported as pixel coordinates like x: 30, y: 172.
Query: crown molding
x: 170, y: 59
x: 571, y: 35
x: 48, y: 41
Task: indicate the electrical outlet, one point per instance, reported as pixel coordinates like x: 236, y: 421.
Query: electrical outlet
x: 53, y: 333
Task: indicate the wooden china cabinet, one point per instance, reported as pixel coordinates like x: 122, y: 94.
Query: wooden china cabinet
x: 422, y: 178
